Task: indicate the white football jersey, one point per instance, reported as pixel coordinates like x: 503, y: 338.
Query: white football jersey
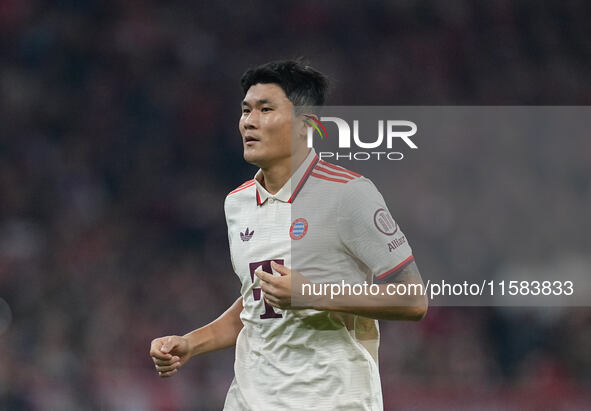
x: 330, y: 224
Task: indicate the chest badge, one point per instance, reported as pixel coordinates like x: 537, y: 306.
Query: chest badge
x: 246, y: 236
x: 298, y: 228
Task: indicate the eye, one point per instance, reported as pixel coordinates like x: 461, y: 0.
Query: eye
x: 245, y: 110
x: 266, y: 109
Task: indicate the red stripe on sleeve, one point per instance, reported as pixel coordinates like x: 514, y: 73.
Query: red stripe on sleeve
x: 398, y: 267
x: 328, y: 178
x: 339, y: 168
x: 242, y: 187
x: 334, y: 173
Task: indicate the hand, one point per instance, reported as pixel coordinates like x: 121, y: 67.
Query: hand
x: 277, y: 289
x: 169, y: 354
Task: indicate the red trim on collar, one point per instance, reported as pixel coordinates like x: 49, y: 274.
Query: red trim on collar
x: 258, y: 197
x: 303, y: 180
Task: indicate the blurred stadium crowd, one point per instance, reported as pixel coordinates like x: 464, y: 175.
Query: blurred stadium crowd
x: 119, y: 142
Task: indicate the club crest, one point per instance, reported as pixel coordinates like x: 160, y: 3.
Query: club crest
x: 298, y: 228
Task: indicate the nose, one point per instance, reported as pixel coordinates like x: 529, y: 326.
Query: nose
x: 250, y: 121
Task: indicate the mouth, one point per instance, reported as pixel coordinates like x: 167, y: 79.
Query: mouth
x: 250, y: 139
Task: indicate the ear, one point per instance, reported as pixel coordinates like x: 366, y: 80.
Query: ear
x: 301, y: 125
x: 309, y: 119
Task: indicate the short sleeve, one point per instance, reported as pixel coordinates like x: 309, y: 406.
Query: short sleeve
x: 369, y: 231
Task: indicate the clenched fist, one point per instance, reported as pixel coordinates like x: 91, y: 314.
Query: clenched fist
x: 169, y: 354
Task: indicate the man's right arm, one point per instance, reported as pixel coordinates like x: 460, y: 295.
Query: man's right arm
x: 172, y: 352
x: 218, y: 334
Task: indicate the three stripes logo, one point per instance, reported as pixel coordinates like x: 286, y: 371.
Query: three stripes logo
x: 246, y: 236
x: 298, y: 229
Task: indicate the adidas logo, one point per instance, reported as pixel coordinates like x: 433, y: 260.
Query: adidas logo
x: 245, y: 236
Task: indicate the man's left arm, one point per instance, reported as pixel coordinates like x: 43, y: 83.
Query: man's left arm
x: 401, y: 297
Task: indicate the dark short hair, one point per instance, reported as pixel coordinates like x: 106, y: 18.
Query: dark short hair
x: 302, y: 84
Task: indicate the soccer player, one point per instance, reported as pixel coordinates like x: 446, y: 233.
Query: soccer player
x: 320, y: 354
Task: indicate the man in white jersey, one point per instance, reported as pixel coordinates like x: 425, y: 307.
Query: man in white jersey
x: 301, y: 221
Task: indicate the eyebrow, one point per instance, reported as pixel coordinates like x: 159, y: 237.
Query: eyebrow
x: 258, y: 102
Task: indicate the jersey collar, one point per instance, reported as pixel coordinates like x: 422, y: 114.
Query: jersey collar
x: 292, y: 187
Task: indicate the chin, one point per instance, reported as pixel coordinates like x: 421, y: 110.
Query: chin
x: 252, y: 157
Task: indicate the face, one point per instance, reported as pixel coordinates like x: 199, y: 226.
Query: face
x: 266, y: 125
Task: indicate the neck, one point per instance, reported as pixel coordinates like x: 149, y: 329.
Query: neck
x: 276, y: 175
